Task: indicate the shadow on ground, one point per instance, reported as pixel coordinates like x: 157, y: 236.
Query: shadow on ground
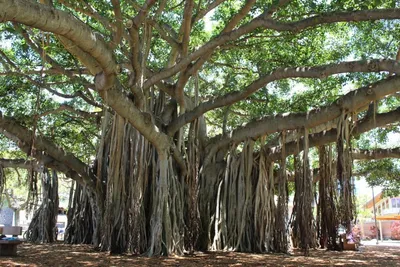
x: 83, y: 255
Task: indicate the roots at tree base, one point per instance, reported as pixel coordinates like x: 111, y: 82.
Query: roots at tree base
x: 42, y: 228
x: 144, y: 206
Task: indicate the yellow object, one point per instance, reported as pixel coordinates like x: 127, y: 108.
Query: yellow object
x: 388, y: 217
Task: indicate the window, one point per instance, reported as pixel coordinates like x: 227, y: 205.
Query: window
x: 395, y: 202
x: 383, y: 206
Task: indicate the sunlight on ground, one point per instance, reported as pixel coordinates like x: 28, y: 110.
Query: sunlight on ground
x: 83, y: 255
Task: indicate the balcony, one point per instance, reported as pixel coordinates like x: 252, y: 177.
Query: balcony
x: 391, y: 211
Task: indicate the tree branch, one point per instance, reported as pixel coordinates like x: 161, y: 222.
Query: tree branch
x: 46, y: 18
x: 81, y: 113
x: 19, y: 164
x: 379, y: 153
x: 284, y: 73
x: 49, y: 71
x: 64, y: 161
x: 264, y: 21
x: 184, y: 76
x: 134, y: 26
x: 244, y: 11
x: 187, y: 26
x: 332, y: 17
x: 83, y: 57
x: 89, y: 11
x: 142, y: 121
x: 165, y: 35
x: 198, y: 16
x: 118, y: 22
x: 331, y: 136
x: 270, y: 124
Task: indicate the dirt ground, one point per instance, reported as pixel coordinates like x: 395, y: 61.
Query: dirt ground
x: 83, y: 255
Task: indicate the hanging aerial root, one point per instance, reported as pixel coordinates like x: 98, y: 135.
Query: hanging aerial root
x: 264, y: 204
x: 281, y: 229
x: 42, y: 228
x: 344, y: 172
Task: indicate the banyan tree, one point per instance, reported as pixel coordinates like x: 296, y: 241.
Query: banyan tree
x: 183, y: 124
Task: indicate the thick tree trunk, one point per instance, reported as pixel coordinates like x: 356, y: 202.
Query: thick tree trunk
x: 143, y: 202
x: 211, y: 176
x: 327, y: 203
x: 344, y: 173
x: 281, y: 221
x: 80, y: 217
x: 42, y: 228
x: 302, y: 224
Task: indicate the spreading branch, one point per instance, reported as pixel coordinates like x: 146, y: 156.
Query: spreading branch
x: 263, y: 21
x: 270, y: 124
x: 19, y: 164
x: 284, y: 73
x: 47, y: 151
x: 49, y: 19
x: 379, y: 153
x: 323, y: 138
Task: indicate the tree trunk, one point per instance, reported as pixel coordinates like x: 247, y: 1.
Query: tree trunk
x: 42, y: 228
x: 327, y: 203
x: 280, y: 236
x: 302, y: 218
x: 80, y: 217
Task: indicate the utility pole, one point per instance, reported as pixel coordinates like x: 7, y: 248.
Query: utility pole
x: 376, y: 225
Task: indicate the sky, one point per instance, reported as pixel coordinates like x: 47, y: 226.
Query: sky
x: 362, y: 187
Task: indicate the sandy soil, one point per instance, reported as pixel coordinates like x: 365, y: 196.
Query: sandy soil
x: 83, y: 255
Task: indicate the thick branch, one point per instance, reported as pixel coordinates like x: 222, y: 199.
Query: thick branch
x: 379, y: 153
x: 83, y: 57
x: 184, y: 76
x: 142, y: 121
x: 349, y: 103
x: 88, y: 10
x: 239, y: 16
x: 118, y: 17
x: 265, y: 22
x: 19, y: 164
x: 46, y: 160
x: 50, y: 71
x: 187, y: 26
x: 332, y: 17
x: 24, y: 136
x: 331, y: 136
x: 48, y: 19
x: 284, y: 73
x: 134, y: 26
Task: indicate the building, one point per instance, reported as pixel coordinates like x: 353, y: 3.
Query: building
x: 387, y: 216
